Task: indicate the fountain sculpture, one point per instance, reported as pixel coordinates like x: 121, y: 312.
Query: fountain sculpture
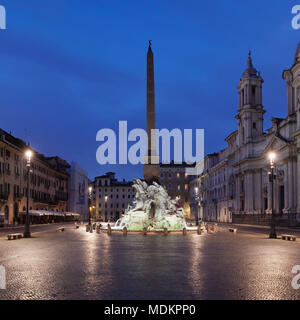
x: 153, y: 210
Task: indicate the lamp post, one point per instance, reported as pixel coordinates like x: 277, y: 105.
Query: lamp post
x: 90, y: 204
x: 28, y: 155
x: 272, y: 176
x: 197, y: 200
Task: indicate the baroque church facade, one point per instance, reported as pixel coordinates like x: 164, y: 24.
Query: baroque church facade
x: 234, y: 185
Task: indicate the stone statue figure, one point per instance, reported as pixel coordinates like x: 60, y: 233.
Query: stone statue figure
x: 153, y: 209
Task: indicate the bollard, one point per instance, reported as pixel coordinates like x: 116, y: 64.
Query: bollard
x: 108, y: 229
x: 87, y: 228
x: 91, y: 229
x: 199, y: 230
x: 124, y: 231
x: 165, y: 231
x: 184, y: 231
x: 145, y: 231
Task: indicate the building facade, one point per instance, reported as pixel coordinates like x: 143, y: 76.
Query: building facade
x: 235, y: 184
x: 48, y: 180
x: 177, y: 182
x: 110, y: 197
x: 78, y: 191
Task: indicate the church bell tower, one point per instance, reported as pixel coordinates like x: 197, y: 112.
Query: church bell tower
x: 250, y: 112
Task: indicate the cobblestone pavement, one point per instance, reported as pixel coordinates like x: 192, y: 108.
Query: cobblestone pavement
x: 79, y: 265
x: 33, y: 228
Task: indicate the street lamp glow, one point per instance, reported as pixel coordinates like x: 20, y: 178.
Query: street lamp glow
x: 28, y: 154
x: 196, y: 189
x: 90, y: 189
x: 272, y: 156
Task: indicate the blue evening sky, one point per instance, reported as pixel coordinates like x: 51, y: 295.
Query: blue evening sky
x: 72, y: 67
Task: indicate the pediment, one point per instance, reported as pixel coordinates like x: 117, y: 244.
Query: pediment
x: 274, y: 143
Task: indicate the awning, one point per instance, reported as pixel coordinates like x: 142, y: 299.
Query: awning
x: 72, y: 214
x: 41, y: 213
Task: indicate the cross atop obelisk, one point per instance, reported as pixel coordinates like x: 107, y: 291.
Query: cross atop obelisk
x: 151, y: 167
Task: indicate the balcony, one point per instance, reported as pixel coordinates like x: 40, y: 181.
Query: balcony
x: 38, y: 200
x: 61, y: 197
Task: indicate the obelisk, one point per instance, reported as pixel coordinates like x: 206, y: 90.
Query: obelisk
x: 151, y: 166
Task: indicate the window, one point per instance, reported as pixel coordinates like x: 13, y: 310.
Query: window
x: 253, y: 94
x: 265, y: 203
x: 254, y: 125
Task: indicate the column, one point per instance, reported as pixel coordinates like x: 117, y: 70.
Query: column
x: 249, y: 192
x: 286, y: 188
x: 298, y: 181
x: 258, y: 205
x: 291, y: 185
x: 237, y: 193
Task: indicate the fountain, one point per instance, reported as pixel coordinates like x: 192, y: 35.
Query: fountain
x: 152, y: 210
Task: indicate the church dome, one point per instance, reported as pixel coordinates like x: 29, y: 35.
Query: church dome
x: 297, y: 55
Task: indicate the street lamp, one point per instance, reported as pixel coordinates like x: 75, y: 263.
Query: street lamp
x: 28, y: 155
x: 272, y: 177
x: 90, y: 204
x: 197, y: 206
